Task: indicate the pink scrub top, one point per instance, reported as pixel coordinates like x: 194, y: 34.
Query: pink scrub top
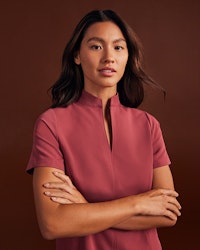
x: 73, y: 139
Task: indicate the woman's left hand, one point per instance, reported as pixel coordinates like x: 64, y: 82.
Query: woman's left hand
x: 63, y: 191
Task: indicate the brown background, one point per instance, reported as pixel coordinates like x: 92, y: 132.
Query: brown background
x: 33, y: 36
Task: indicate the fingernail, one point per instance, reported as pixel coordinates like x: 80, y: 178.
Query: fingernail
x: 46, y: 185
x: 47, y: 193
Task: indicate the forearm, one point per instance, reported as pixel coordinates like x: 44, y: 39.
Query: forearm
x: 77, y: 219
x: 71, y: 220
x: 145, y: 222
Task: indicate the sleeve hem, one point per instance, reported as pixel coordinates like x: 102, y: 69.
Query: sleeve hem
x: 30, y: 169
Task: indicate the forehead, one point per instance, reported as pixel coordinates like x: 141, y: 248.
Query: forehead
x: 104, y: 30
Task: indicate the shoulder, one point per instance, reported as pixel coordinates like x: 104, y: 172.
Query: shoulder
x: 152, y: 123
x: 142, y: 116
x: 152, y: 120
x: 54, y: 118
x: 49, y: 114
x: 52, y: 114
x: 48, y: 118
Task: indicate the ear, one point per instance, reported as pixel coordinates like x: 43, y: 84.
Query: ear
x: 77, y: 59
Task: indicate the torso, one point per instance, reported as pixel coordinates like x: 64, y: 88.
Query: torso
x: 107, y: 157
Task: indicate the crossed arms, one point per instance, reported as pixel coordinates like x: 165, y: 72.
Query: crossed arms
x: 62, y: 211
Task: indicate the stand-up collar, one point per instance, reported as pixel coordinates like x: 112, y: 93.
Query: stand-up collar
x: 91, y: 100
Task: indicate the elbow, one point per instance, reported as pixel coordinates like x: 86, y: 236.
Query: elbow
x: 47, y: 234
x: 48, y: 231
x: 52, y: 231
x: 171, y: 223
x: 167, y: 222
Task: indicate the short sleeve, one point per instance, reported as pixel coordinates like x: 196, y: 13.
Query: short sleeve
x: 45, y: 149
x: 160, y: 155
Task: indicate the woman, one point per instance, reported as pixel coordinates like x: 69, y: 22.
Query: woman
x: 101, y: 176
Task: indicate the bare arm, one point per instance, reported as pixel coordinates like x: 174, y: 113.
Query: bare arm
x: 162, y: 178
x: 77, y: 219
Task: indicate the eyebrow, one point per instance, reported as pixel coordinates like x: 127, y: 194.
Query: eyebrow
x: 98, y: 39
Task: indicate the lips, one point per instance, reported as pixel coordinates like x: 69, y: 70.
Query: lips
x: 107, y: 70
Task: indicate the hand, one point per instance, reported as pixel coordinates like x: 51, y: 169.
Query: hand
x: 63, y: 191
x: 159, y: 202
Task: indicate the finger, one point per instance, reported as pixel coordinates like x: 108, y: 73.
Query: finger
x: 170, y: 192
x: 170, y: 215
x: 75, y: 198
x: 174, y: 209
x: 57, y: 194
x: 60, y: 195
x: 170, y: 203
x: 59, y: 185
x: 167, y: 192
x: 174, y: 201
x: 61, y: 201
x: 63, y: 177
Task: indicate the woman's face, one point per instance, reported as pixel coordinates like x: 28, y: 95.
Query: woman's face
x: 103, y: 57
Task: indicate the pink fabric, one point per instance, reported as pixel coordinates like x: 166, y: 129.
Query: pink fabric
x: 73, y: 139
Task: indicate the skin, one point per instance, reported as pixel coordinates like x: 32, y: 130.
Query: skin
x: 103, y: 49
x: 62, y: 211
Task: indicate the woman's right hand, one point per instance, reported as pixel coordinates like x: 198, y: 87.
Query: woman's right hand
x: 158, y: 202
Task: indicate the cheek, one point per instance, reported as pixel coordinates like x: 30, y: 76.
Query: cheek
x: 87, y: 62
x: 88, y: 67
x: 124, y: 61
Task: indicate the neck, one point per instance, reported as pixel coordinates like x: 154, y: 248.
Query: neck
x: 105, y: 95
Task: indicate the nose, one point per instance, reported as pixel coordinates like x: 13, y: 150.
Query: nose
x: 109, y: 60
x: 108, y: 56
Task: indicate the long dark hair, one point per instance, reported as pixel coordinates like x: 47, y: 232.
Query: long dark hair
x: 67, y: 89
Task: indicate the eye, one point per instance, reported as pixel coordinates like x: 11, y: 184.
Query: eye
x: 119, y: 47
x: 96, y: 47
